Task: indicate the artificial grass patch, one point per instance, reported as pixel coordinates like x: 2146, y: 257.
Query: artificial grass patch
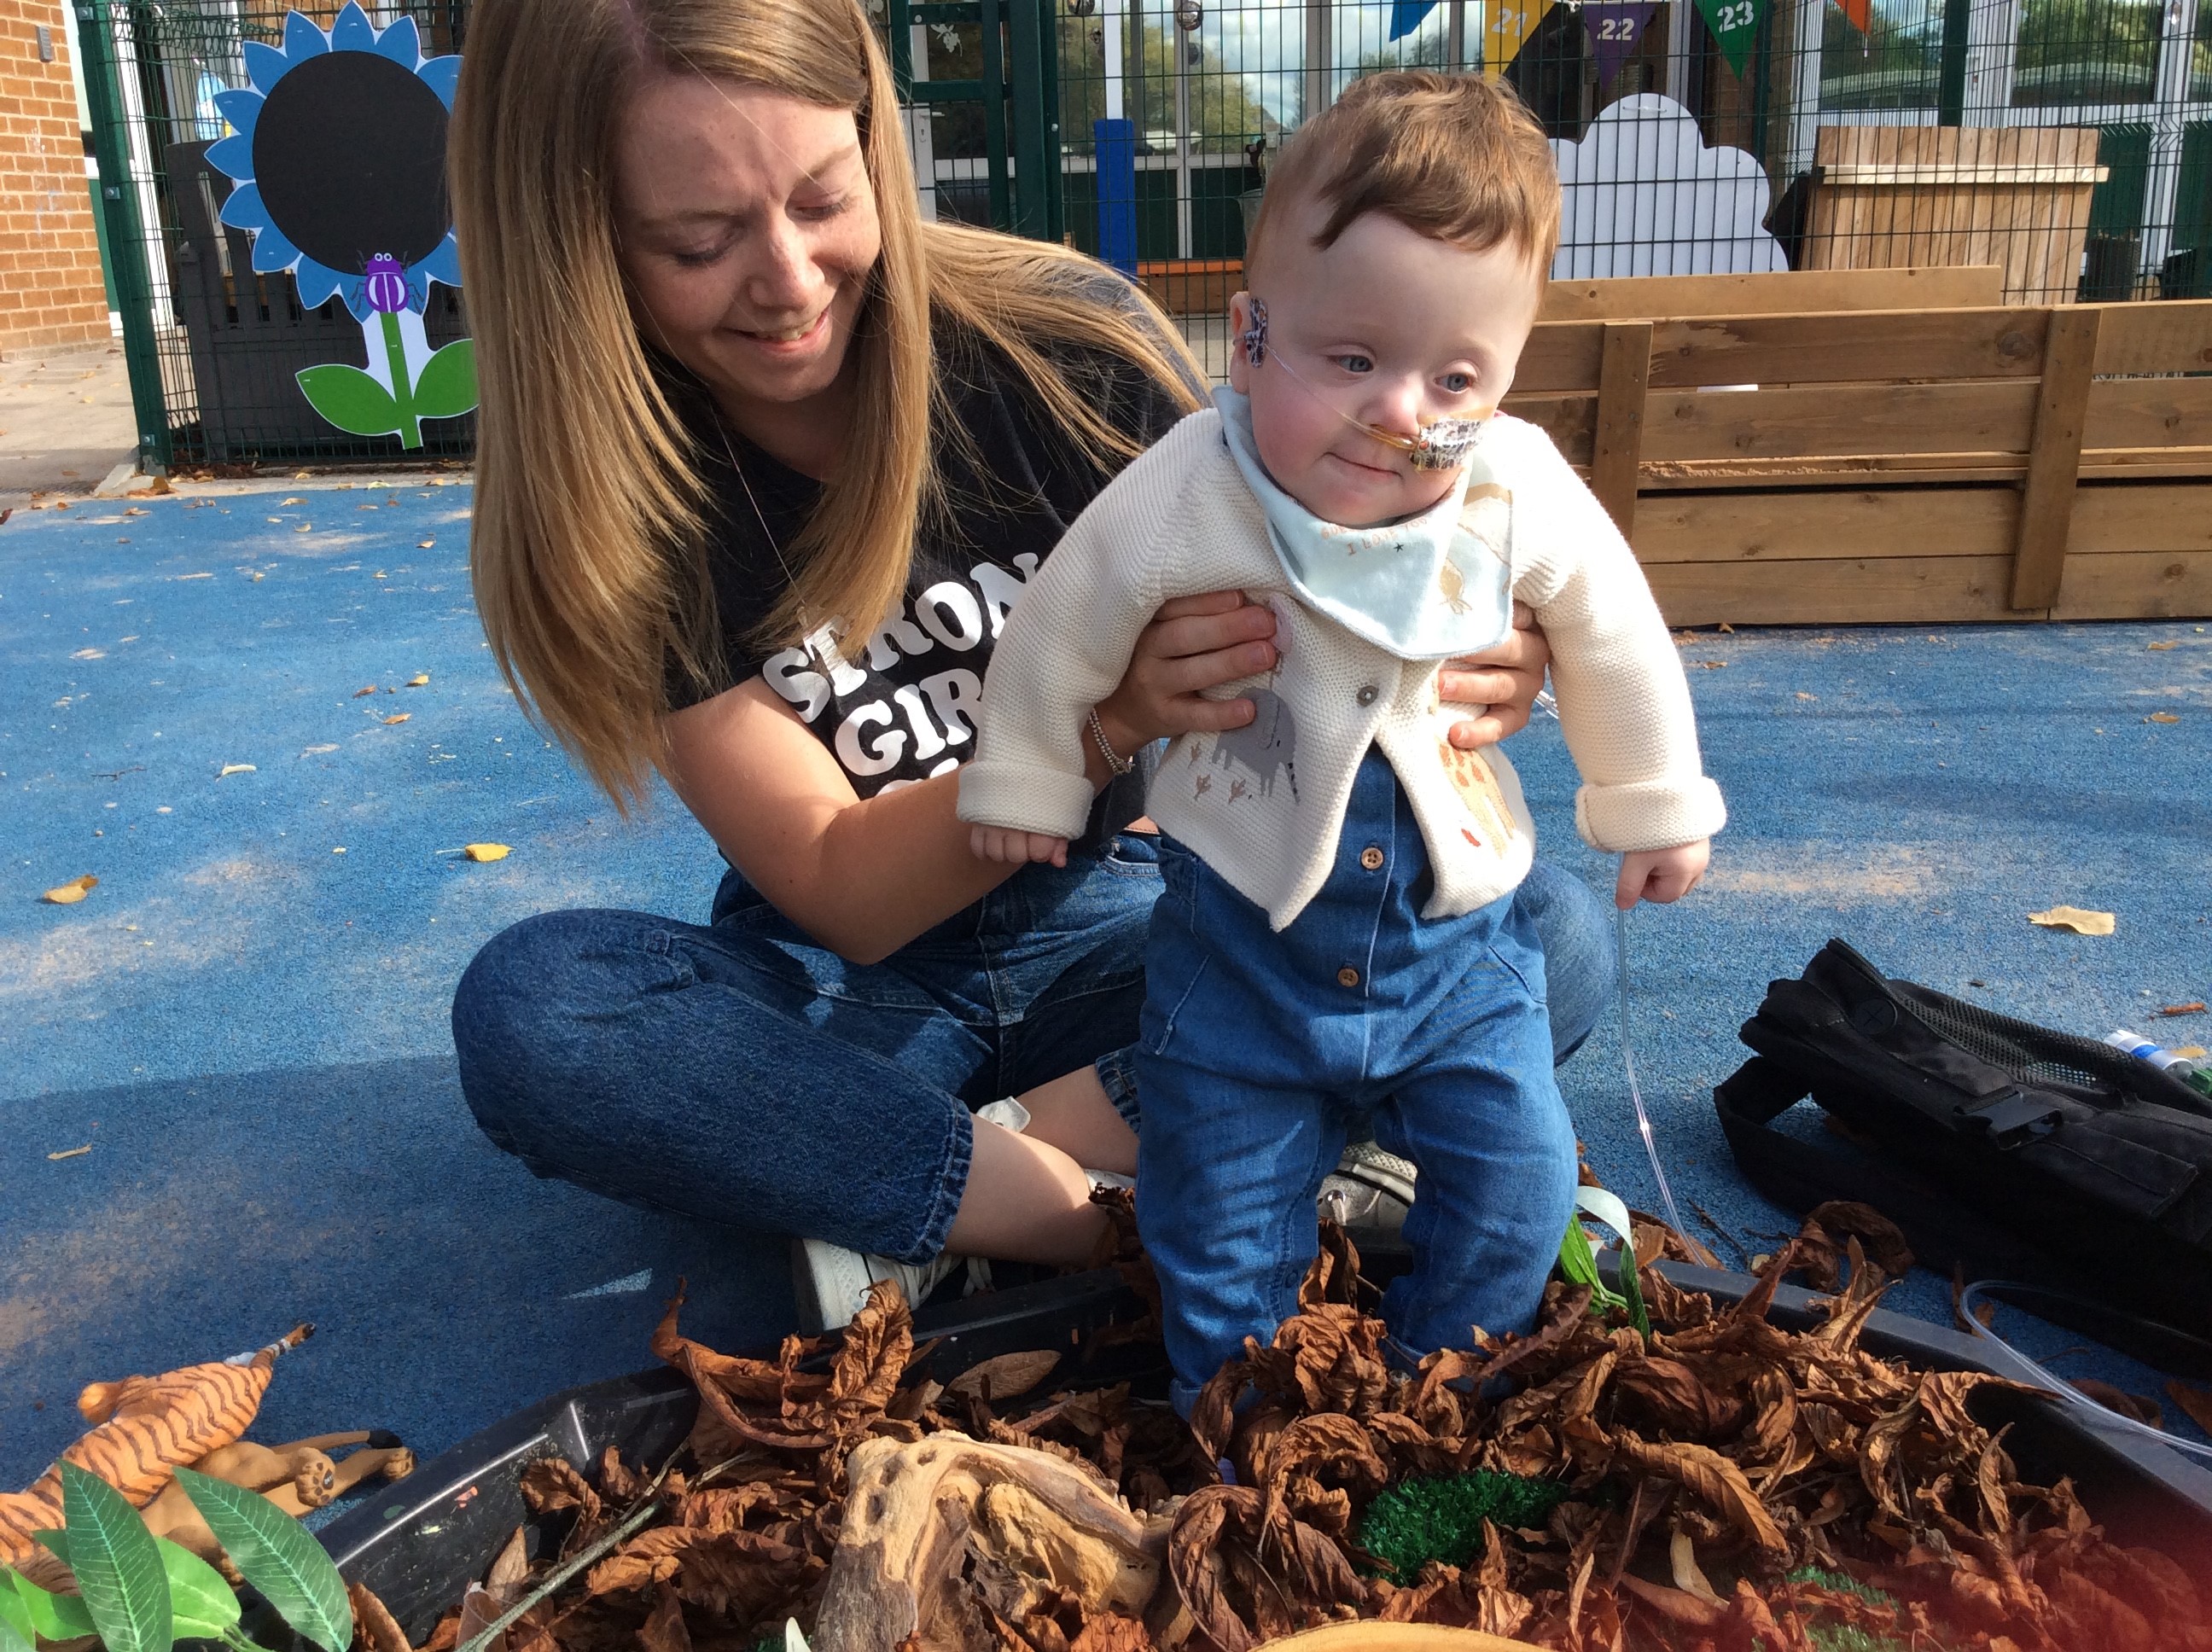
x: 1440, y: 1517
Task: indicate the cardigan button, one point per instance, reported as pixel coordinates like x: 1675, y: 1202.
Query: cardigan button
x: 1371, y: 858
x: 1347, y: 976
x: 1367, y: 695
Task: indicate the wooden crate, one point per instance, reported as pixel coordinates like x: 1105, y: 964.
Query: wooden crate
x: 2018, y: 197
x: 2002, y: 462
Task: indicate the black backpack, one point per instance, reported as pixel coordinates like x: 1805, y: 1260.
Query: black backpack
x: 1999, y: 1147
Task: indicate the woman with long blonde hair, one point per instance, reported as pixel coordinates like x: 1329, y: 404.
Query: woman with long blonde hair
x: 764, y: 459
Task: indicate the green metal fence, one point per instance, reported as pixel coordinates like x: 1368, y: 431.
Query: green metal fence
x: 213, y: 344
x: 2068, y: 140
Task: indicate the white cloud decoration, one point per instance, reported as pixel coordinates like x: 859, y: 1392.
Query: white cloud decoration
x: 1645, y: 197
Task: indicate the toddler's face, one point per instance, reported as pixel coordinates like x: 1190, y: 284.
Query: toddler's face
x: 1386, y: 327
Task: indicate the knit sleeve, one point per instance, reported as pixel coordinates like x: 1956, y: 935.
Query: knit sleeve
x: 1623, y: 702
x: 1066, y: 645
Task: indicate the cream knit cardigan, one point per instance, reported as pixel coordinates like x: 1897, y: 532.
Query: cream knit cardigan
x: 1263, y: 805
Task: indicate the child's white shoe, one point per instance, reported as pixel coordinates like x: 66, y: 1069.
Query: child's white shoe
x: 1369, y: 1189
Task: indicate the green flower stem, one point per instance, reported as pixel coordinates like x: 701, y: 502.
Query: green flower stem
x: 403, y: 386
x: 237, y: 1639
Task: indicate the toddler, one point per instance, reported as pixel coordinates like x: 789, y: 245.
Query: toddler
x: 1337, y: 935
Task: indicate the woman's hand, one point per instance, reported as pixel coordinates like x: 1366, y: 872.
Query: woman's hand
x: 1504, y: 680
x: 1194, y: 643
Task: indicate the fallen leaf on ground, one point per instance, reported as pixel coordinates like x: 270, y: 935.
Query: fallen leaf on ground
x: 371, y: 689
x: 1006, y: 1376
x: 236, y: 768
x: 2139, y: 1407
x: 133, y: 510
x: 68, y: 894
x: 2195, y: 1403
x: 317, y: 750
x: 2161, y: 717
x: 2161, y: 648
x: 2080, y: 921
x: 486, y: 851
x: 397, y: 717
x: 1802, y: 695
x: 292, y: 502
x: 420, y: 680
x: 2196, y: 1006
x: 90, y: 653
x: 72, y: 1152
x: 1710, y: 664
x: 303, y: 527
x: 425, y: 545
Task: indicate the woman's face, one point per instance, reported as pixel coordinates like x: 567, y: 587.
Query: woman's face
x: 748, y: 228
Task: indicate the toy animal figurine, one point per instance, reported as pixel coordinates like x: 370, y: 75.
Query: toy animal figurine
x: 146, y: 1426
x: 296, y: 1478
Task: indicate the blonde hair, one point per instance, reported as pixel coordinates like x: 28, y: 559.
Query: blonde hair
x: 588, y: 550
x: 1454, y: 157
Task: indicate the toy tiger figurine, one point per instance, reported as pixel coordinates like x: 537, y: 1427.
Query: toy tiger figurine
x: 146, y: 1425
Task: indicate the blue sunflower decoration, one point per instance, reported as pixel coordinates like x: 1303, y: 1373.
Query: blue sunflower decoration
x: 338, y: 148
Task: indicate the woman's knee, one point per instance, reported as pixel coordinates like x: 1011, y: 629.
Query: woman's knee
x: 512, y: 1006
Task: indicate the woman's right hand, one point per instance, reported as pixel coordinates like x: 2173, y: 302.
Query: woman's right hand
x: 1194, y: 643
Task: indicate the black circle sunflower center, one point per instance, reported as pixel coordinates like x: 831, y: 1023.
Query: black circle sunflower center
x: 349, y: 155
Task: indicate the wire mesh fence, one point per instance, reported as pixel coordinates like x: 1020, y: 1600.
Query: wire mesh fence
x: 2069, y: 142
x: 214, y: 322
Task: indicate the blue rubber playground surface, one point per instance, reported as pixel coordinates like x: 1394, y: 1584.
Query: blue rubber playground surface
x: 267, y: 723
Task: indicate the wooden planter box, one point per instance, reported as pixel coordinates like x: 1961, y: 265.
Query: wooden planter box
x: 1886, y: 197
x: 1909, y: 465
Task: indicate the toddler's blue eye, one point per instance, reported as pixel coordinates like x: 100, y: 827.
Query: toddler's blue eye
x: 1355, y: 363
x: 1459, y: 382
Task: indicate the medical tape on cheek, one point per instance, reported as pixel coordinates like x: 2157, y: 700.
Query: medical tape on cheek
x: 1443, y: 444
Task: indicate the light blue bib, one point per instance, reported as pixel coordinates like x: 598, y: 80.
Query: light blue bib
x: 1430, y: 587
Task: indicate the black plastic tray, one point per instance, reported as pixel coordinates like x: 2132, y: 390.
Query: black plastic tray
x: 417, y: 1543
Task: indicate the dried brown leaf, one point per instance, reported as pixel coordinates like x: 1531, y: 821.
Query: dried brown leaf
x: 1882, y: 1239
x: 1006, y: 1377
x: 2194, y: 1403
x: 664, y: 1631
x: 1712, y: 1476
x: 2140, y: 1407
x: 1111, y: 1632
x: 375, y: 1630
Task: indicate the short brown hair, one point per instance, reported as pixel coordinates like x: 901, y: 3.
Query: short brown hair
x: 1455, y: 157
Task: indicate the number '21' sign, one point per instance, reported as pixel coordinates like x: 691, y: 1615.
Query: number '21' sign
x: 1734, y: 26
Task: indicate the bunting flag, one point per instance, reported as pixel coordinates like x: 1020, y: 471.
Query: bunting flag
x: 1406, y: 17
x: 1506, y: 25
x: 1861, y: 12
x: 1734, y: 26
x: 1615, y: 28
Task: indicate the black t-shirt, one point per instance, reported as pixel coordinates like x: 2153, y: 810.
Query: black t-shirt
x: 899, y: 707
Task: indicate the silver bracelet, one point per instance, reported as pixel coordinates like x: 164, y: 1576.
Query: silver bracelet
x: 1114, y: 760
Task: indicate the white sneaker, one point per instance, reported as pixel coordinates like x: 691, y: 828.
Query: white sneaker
x: 831, y: 1284
x: 1369, y: 1189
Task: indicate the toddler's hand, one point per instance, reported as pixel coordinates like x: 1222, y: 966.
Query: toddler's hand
x: 1010, y: 848
x: 1660, y: 875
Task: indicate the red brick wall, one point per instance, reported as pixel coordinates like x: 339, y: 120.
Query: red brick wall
x: 50, y: 286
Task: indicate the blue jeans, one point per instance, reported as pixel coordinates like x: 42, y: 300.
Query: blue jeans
x: 738, y: 1072
x: 1260, y: 1050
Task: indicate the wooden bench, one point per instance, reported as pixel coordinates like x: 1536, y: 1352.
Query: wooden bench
x: 1913, y: 465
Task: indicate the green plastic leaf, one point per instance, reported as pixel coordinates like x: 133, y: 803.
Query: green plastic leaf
x: 12, y: 1639
x: 447, y: 388
x: 278, y: 1556
x: 53, y: 1616
x: 118, y: 1569
x: 202, y: 1602
x: 350, y: 399
x: 14, y: 1610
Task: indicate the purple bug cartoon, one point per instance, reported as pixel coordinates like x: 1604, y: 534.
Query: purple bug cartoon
x: 385, y: 287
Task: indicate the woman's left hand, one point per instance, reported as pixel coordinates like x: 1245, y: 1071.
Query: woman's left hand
x: 1503, y: 680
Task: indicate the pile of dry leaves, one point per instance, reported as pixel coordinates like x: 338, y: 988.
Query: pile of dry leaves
x: 1706, y: 1469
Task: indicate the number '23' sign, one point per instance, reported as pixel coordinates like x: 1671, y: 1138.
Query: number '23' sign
x: 1734, y: 26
